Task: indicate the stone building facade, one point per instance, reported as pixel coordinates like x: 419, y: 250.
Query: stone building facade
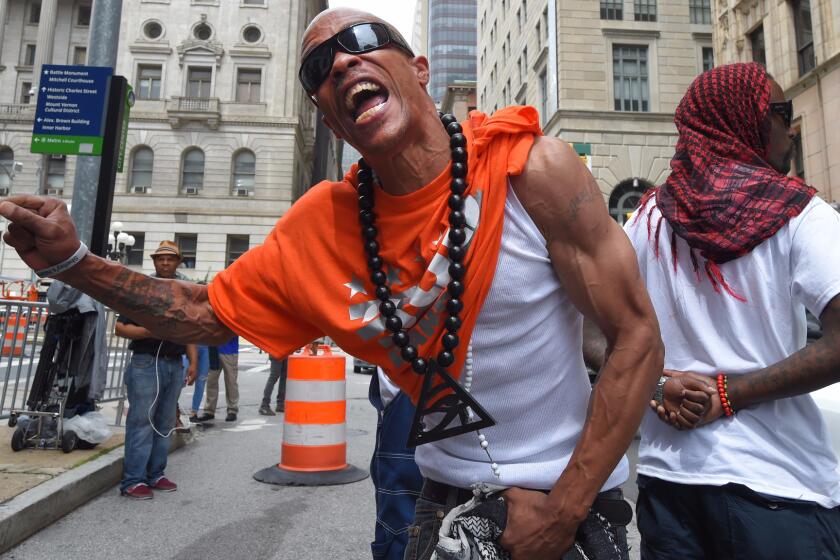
x: 605, y: 75
x: 799, y: 42
x: 221, y: 138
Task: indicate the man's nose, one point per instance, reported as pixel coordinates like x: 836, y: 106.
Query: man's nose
x: 342, y: 63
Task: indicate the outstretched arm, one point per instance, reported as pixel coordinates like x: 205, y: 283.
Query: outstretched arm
x: 597, y: 266
x: 43, y: 234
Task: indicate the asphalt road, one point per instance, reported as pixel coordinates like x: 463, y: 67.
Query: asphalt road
x: 220, y: 511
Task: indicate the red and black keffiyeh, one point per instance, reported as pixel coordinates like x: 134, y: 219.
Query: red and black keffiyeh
x: 722, y: 196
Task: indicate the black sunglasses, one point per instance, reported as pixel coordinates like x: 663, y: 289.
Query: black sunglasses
x: 356, y: 39
x: 784, y: 109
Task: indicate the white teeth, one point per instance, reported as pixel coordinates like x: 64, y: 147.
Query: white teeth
x: 370, y: 112
x: 361, y: 86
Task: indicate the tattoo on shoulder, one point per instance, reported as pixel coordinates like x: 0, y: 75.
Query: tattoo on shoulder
x: 581, y: 199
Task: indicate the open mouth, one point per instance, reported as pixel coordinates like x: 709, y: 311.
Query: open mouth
x: 365, y: 99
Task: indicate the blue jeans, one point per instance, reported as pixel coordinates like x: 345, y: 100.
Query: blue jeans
x: 395, y: 475
x: 145, y: 450
x: 202, y: 370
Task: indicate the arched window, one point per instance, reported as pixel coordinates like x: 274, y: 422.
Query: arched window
x: 244, y: 172
x: 625, y: 198
x: 7, y: 162
x: 192, y: 171
x: 142, y: 165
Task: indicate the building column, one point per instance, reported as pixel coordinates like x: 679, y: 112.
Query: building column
x: 4, y: 8
x: 46, y: 35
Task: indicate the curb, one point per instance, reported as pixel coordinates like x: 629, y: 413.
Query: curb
x: 37, y: 508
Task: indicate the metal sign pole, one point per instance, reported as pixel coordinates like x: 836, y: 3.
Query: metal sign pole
x: 102, y: 51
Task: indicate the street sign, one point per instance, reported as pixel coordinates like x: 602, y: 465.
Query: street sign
x: 584, y: 152
x: 70, y: 114
x: 129, y: 103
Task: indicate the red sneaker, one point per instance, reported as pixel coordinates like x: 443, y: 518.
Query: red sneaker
x: 139, y: 491
x: 164, y: 485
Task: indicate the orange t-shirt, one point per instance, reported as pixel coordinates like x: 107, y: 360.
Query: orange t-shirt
x: 310, y: 277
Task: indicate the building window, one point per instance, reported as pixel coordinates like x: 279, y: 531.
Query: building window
x: 804, y: 35
x: 630, y: 78
x: 644, y: 10
x: 544, y: 19
x: 202, y: 32
x: 700, y: 11
x: 79, y: 55
x: 757, y: 45
x: 134, y: 254
x: 35, y: 13
x: 612, y: 9
x: 251, y: 34
x: 148, y: 81
x: 25, y: 93
x: 244, y: 171
x: 543, y: 96
x: 28, y: 55
x: 142, y: 166
x: 198, y: 81
x: 83, y: 15
x: 708, y: 58
x: 253, y: 2
x: 798, y: 156
x: 625, y: 198
x: 192, y: 170
x: 248, y: 83
x: 153, y: 30
x: 56, y: 165
x: 7, y: 162
x: 187, y: 243
x: 236, y: 247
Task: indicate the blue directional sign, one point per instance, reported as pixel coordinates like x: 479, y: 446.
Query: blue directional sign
x: 70, y: 115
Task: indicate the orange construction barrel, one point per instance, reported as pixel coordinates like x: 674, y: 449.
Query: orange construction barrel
x: 314, y: 450
x: 14, y: 336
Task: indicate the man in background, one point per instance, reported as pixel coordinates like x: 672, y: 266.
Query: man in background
x: 154, y: 378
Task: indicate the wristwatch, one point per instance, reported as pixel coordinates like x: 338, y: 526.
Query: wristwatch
x: 658, y: 395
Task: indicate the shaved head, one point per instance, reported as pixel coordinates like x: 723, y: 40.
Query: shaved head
x: 336, y: 19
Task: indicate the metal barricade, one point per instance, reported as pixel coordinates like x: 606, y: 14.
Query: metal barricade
x: 22, y: 335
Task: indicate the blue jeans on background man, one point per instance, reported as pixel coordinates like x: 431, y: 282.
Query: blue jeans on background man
x: 145, y: 450
x: 202, y: 370
x: 396, y: 477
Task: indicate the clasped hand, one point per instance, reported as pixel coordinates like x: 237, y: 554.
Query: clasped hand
x: 689, y: 400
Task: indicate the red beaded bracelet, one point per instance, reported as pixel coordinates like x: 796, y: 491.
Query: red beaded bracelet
x: 724, y: 396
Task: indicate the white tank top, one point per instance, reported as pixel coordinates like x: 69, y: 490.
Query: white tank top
x: 528, y: 373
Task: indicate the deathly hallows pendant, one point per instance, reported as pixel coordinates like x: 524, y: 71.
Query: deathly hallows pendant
x: 454, y: 406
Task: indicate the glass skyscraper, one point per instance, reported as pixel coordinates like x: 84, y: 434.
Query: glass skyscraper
x: 452, y: 43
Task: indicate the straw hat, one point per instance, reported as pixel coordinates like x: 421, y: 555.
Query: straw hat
x: 167, y: 248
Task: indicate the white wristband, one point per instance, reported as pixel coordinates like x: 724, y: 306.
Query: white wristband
x: 74, y: 259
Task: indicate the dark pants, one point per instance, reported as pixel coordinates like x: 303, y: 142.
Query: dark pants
x: 396, y: 478
x: 604, y: 541
x: 277, y: 374
x: 732, y: 522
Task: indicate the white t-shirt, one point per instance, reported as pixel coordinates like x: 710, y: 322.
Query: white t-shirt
x: 780, y: 447
x: 528, y: 373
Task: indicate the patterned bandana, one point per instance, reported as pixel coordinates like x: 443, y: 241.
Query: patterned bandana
x: 722, y: 196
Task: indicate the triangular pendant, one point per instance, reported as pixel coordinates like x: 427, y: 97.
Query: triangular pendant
x: 452, y: 405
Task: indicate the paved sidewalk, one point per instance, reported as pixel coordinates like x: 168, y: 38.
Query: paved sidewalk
x: 39, y: 486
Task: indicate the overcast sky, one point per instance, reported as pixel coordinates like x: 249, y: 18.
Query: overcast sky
x: 399, y: 13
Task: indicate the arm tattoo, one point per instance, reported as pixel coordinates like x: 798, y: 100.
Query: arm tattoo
x: 580, y: 200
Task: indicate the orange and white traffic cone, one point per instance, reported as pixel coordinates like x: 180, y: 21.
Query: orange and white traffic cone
x: 314, y: 451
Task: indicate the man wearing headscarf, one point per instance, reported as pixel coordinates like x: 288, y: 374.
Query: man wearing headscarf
x: 733, y: 251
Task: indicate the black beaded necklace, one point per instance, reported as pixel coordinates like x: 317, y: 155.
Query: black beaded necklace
x: 459, y: 403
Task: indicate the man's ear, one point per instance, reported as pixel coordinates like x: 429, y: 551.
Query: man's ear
x: 326, y: 121
x: 421, y: 66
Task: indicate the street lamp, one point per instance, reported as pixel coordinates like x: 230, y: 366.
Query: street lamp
x: 119, y: 242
